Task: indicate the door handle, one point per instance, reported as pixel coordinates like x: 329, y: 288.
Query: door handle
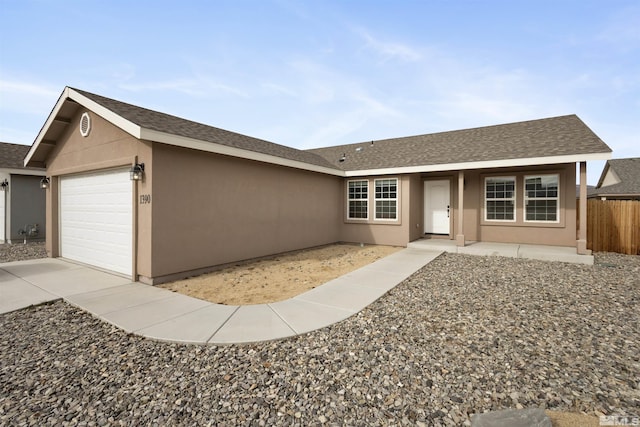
x: 447, y: 211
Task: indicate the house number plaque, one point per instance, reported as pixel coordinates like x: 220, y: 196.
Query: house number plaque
x: 145, y: 199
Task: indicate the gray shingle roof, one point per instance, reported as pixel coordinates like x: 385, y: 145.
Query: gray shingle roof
x: 12, y: 155
x: 628, y: 171
x: 556, y: 136
x: 173, y: 125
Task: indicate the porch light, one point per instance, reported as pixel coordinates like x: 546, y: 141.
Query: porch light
x: 44, y: 183
x: 343, y: 158
x: 137, y: 172
x: 4, y: 184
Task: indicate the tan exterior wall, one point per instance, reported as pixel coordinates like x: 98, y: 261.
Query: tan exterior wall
x: 379, y: 232
x: 476, y: 229
x: 210, y: 209
x: 105, y: 147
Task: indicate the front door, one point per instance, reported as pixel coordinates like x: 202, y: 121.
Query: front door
x: 436, y: 206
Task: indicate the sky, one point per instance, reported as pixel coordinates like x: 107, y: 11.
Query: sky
x: 309, y: 74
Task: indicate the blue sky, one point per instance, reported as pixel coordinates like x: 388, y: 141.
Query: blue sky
x: 316, y: 73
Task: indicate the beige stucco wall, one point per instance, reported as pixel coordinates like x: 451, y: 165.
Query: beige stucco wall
x: 106, y: 147
x: 475, y: 229
x: 210, y: 209
x: 379, y: 232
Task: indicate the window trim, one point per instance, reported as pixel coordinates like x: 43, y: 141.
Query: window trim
x: 376, y: 200
x: 525, y: 199
x: 349, y: 200
x: 514, y: 199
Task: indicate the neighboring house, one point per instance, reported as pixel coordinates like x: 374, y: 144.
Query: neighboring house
x: 620, y: 180
x: 208, y: 197
x: 22, y: 202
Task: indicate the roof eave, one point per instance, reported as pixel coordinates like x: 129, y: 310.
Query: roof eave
x: 487, y: 164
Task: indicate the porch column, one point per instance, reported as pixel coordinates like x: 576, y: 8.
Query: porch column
x: 581, y: 245
x: 460, y: 234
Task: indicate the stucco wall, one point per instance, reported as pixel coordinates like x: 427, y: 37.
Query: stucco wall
x: 475, y: 229
x: 106, y: 147
x: 379, y: 232
x: 210, y: 209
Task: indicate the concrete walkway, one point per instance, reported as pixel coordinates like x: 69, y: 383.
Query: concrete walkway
x: 164, y: 315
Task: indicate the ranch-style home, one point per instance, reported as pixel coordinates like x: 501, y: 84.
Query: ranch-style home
x: 157, y: 197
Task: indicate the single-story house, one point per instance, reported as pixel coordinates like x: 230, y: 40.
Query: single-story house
x: 157, y: 197
x: 620, y: 180
x: 22, y: 202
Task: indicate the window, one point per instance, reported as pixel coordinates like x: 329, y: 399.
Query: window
x: 386, y: 198
x: 500, y: 198
x: 541, y: 198
x: 358, y: 200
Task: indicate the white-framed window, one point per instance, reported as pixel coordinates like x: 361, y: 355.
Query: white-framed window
x: 500, y: 198
x: 386, y: 198
x: 541, y: 198
x: 358, y: 199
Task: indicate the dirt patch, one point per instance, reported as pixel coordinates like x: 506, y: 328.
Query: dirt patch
x: 281, y: 277
x: 570, y: 419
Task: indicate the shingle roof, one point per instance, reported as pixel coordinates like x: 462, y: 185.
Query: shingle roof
x: 556, y: 136
x: 173, y: 125
x: 628, y: 171
x: 12, y: 155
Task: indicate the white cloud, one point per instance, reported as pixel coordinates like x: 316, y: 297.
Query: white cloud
x: 388, y: 50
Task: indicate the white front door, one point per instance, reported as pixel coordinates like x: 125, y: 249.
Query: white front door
x: 96, y: 222
x: 436, y: 206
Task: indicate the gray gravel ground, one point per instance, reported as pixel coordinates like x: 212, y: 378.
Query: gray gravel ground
x: 463, y: 335
x: 20, y: 251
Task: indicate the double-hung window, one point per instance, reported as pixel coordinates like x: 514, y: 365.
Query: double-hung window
x: 386, y: 198
x: 358, y: 200
x: 500, y: 199
x: 541, y: 201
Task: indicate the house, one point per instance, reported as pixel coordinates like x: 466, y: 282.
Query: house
x: 22, y: 202
x: 157, y: 197
x: 620, y: 180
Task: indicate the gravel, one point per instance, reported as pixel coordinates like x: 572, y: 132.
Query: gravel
x: 463, y: 335
x: 21, y: 251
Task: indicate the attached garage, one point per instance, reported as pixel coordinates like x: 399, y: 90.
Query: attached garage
x: 96, y: 219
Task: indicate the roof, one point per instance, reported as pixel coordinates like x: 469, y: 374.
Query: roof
x: 12, y: 155
x: 554, y: 140
x: 545, y: 140
x: 625, y: 175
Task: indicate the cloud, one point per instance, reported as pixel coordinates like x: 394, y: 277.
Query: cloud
x: 197, y: 87
x: 388, y: 50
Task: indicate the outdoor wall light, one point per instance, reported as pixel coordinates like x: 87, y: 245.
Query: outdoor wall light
x: 343, y: 158
x: 44, y: 183
x: 4, y: 184
x: 137, y: 172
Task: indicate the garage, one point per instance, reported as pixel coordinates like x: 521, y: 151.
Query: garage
x: 96, y: 219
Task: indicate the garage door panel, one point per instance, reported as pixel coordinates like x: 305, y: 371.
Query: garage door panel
x: 96, y: 219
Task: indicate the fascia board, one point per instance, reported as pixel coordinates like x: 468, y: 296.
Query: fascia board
x: 489, y: 164
x: 27, y: 172
x: 47, y: 124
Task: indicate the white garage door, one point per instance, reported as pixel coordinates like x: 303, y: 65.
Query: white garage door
x: 96, y: 219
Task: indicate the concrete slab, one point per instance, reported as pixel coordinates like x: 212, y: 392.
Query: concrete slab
x: 194, y: 327
x: 554, y: 253
x: 342, y: 293
x: 531, y: 417
x: 142, y: 316
x: 304, y: 316
x: 444, y: 245
x: 36, y: 267
x: 252, y: 323
x: 17, y: 294
x: 117, y: 298
x: 65, y: 282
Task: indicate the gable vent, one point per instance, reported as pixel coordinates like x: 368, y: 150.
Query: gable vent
x: 85, y: 124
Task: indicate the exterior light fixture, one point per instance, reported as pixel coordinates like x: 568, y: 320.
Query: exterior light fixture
x: 137, y: 172
x: 44, y: 183
x: 343, y: 158
x: 4, y: 184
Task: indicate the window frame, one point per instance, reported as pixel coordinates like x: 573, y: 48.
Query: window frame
x: 395, y: 199
x: 526, y: 199
x: 362, y: 199
x: 514, y: 199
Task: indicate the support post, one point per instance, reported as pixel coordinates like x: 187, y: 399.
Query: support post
x: 460, y: 226
x: 581, y: 244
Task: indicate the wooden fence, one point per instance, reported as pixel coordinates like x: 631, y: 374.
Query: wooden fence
x: 613, y: 226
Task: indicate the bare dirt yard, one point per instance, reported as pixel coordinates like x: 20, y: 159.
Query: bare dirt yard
x: 280, y: 277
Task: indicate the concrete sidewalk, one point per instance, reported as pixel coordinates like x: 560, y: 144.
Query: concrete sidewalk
x: 164, y: 315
